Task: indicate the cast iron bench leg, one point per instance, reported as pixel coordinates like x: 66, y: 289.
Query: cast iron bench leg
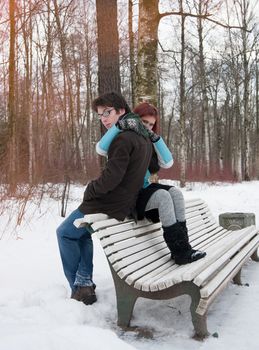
x: 255, y: 255
x: 125, y: 298
x: 199, y: 321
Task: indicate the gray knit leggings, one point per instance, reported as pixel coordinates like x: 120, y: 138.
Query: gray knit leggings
x: 170, y: 205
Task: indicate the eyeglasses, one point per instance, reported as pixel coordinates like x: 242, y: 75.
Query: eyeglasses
x: 147, y: 123
x: 105, y: 114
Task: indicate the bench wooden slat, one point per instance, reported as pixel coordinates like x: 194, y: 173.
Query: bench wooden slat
x: 123, y: 227
x: 194, y: 224
x: 190, y: 208
x: 217, y: 280
x: 130, y: 251
x: 143, y: 283
x: 151, y: 284
x: 128, y: 234
x: 143, y: 254
x: 193, y: 202
x: 109, y: 222
x: 131, y: 242
x: 139, y: 264
x: 143, y: 271
x: 214, y: 267
x: 214, y: 234
x: 188, y: 272
x: 202, y: 210
x: 219, y: 249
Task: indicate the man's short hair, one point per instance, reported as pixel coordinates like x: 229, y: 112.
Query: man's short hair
x: 111, y: 99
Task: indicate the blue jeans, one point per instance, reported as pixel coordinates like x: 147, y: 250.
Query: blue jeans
x: 76, y: 251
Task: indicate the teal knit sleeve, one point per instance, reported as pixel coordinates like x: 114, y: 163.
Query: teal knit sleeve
x: 103, y: 145
x: 146, y: 179
x: 165, y: 158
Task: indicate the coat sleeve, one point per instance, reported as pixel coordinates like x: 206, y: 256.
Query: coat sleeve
x: 165, y: 158
x: 103, y: 145
x: 115, y: 169
x: 154, y: 166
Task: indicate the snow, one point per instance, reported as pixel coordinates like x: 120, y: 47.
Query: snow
x: 36, y: 311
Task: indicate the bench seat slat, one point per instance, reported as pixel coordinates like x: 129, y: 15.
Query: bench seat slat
x: 212, y: 236
x: 143, y: 283
x: 212, y: 285
x: 157, y: 274
x: 214, y: 267
x: 150, y: 281
x: 219, y: 249
x: 146, y: 269
x: 190, y: 271
x: 139, y: 264
x: 142, y: 270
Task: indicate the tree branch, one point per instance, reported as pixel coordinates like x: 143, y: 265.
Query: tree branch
x: 205, y: 16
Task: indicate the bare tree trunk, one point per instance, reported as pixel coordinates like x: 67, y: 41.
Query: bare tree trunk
x: 237, y: 142
x: 204, y: 101
x: 247, y: 113
x: 257, y: 115
x: 146, y: 72
x: 108, y: 47
x: 182, y: 104
x: 27, y: 38
x: 131, y: 52
x: 11, y: 99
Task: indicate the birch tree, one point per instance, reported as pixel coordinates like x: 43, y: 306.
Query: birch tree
x: 11, y: 98
x: 146, y: 71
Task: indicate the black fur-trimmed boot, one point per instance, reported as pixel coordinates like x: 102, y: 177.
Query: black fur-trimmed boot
x: 177, y: 241
x: 195, y: 254
x: 184, y: 227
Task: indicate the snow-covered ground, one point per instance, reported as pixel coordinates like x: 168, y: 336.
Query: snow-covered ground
x: 37, y: 313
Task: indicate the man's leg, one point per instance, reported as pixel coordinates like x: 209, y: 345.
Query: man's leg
x: 76, y: 251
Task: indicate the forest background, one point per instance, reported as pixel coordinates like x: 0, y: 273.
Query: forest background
x: 197, y: 61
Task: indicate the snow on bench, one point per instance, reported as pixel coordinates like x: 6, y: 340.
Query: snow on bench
x: 141, y: 265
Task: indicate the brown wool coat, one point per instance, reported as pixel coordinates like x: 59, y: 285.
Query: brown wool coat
x: 115, y: 192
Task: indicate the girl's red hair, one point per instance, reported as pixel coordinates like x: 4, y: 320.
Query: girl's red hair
x: 143, y: 109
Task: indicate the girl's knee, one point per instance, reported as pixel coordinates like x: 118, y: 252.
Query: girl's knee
x: 163, y: 197
x: 163, y: 194
x: 176, y: 192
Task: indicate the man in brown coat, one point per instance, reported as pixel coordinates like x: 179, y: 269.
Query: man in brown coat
x: 114, y: 193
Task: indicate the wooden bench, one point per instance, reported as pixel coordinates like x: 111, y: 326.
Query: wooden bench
x: 141, y: 265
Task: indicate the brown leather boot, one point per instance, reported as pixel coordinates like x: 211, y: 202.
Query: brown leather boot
x: 85, y: 294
